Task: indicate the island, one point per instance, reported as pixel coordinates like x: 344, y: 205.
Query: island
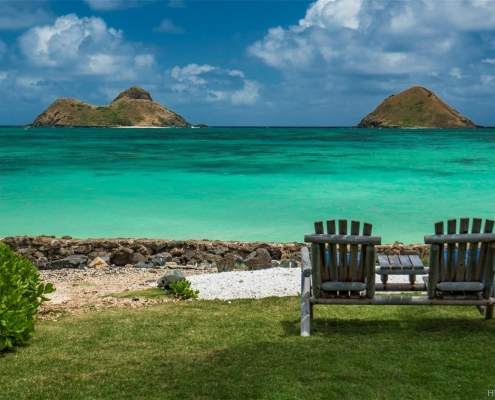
x: 416, y: 107
x: 132, y: 107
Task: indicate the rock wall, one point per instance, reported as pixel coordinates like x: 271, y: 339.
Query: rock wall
x: 44, y: 250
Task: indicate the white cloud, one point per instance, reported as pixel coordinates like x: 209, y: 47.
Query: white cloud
x: 333, y: 14
x: 191, y: 73
x: 3, y: 75
x: 109, y: 5
x: 28, y: 81
x: 486, y: 79
x: 23, y: 14
x: 236, y: 72
x: 83, y: 46
x: 144, y: 60
x: 455, y: 73
x: 248, y: 95
x: 167, y: 26
x: 489, y: 61
x: 206, y: 83
x: 52, y: 45
x: 176, y: 4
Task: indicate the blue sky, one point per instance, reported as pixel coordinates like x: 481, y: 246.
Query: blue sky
x: 323, y: 63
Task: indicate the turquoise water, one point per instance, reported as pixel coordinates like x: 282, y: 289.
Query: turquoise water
x: 267, y: 184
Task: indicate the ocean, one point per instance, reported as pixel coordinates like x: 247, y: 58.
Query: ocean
x: 241, y: 183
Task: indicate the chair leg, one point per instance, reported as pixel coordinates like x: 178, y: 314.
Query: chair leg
x: 305, y: 318
x: 311, y: 313
x: 489, y: 311
x: 481, y: 309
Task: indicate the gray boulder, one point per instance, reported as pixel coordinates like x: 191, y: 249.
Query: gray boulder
x: 159, y: 261
x: 122, y: 256
x: 143, y: 264
x: 259, y: 259
x: 169, y: 277
x: 166, y: 255
x: 72, y: 261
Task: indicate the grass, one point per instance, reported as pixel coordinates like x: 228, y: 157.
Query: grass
x: 83, y: 284
x: 251, y: 349
x: 151, y: 293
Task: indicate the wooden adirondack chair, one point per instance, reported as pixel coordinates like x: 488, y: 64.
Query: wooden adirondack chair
x: 341, y: 269
x: 462, y: 264
x: 342, y: 266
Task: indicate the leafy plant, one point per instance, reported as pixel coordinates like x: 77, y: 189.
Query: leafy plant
x: 182, y: 290
x: 21, y: 293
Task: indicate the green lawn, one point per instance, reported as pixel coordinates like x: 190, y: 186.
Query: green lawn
x: 251, y: 349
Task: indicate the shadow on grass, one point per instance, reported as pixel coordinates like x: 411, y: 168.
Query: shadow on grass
x: 251, y: 349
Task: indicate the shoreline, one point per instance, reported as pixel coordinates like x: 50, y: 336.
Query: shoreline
x: 49, y: 252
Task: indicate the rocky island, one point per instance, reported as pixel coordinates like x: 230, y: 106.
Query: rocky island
x: 416, y: 107
x: 132, y: 107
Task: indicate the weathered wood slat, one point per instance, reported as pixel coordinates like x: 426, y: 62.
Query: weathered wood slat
x: 416, y: 261
x: 383, y: 261
x: 332, y: 248
x: 353, y: 250
x: 369, y: 267
x: 409, y: 271
x: 400, y: 287
x: 316, y: 269
x: 439, y: 229
x: 461, y: 259
x: 403, y: 301
x: 346, y: 286
x: 451, y: 250
x: 343, y: 251
x: 345, y: 239
x: 473, y: 251
x: 367, y: 228
x: 460, y: 238
x: 489, y: 270
x: 433, y: 270
x: 405, y: 261
x: 325, y: 271
x: 460, y: 286
x: 394, y: 262
x: 483, y: 251
x: 305, y: 292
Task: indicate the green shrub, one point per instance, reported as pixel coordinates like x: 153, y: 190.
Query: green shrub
x: 182, y: 290
x: 21, y: 293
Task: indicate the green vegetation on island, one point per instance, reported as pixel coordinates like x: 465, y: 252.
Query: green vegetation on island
x: 416, y: 107
x: 132, y: 107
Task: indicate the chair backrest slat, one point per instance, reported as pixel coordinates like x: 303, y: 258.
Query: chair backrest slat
x: 332, y: 249
x: 367, y: 228
x: 353, y: 254
x: 460, y: 269
x: 451, y: 230
x: 342, y: 252
x: 325, y: 273
x: 478, y: 276
x: 439, y: 231
x: 473, y: 252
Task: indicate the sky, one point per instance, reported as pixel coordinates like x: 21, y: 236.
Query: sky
x: 255, y: 63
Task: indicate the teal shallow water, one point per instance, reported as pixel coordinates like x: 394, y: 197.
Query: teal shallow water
x: 267, y: 184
